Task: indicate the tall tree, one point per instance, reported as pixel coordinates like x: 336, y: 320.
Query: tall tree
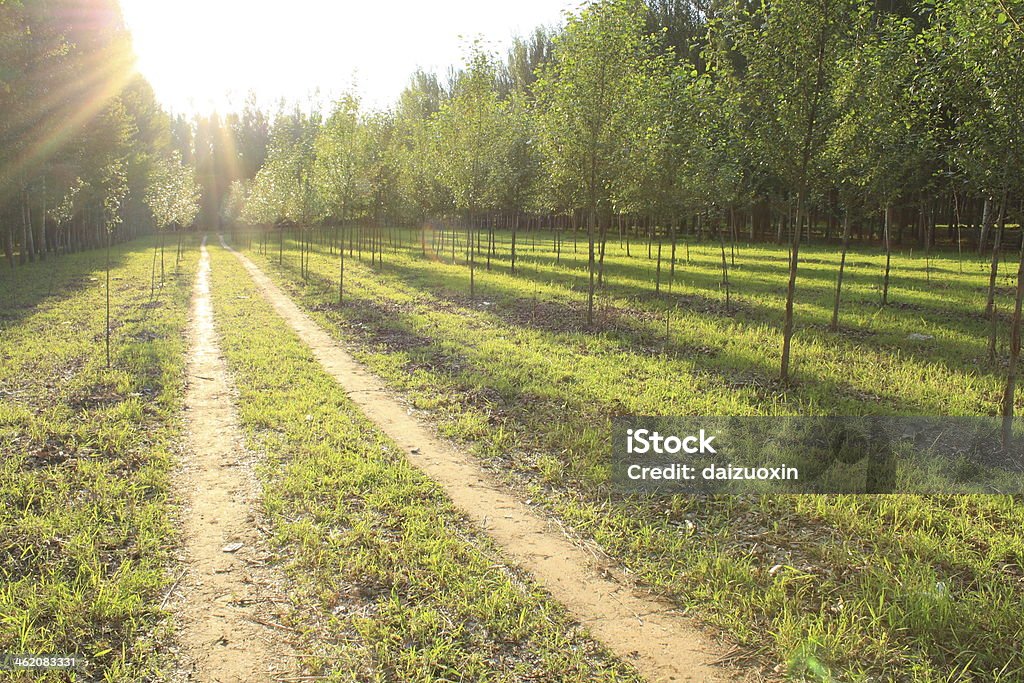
x: 584, y: 110
x: 790, y: 50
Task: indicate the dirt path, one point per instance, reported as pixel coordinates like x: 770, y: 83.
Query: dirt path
x: 639, y: 628
x: 225, y: 591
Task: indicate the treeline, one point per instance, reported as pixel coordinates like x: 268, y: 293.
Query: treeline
x: 847, y: 119
x: 86, y: 153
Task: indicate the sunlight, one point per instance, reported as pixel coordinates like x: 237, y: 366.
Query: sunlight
x: 201, y: 55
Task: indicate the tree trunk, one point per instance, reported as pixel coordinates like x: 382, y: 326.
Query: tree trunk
x: 842, y: 266
x: 787, y: 324
x: 471, y: 256
x: 994, y: 267
x: 672, y: 260
x: 888, y: 256
x: 341, y: 263
x: 990, y: 307
x: 590, y: 264
x: 1011, y: 371
x: 657, y: 280
x: 725, y: 267
x: 107, y: 329
x: 515, y: 229
x: 986, y: 225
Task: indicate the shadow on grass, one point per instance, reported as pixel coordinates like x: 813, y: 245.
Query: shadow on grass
x: 635, y: 324
x: 389, y: 327
x: 25, y: 289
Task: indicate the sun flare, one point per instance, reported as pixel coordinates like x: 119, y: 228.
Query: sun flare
x: 210, y: 54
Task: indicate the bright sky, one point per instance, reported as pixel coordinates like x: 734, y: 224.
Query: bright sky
x: 201, y: 55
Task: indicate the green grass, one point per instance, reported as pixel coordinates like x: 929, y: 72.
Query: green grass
x: 85, y: 523
x: 836, y: 587
x: 391, y: 582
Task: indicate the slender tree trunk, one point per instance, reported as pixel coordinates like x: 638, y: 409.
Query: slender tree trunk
x: 672, y: 259
x: 994, y: 267
x: 725, y: 267
x: 986, y: 225
x: 30, y: 231
x: 341, y: 264
x: 888, y: 256
x: 990, y: 306
x: 794, y: 259
x: 590, y: 264
x: 515, y: 229
x: 657, y: 278
x: 1011, y: 371
x: 107, y: 329
x: 842, y: 267
x: 471, y: 256
x: 732, y: 234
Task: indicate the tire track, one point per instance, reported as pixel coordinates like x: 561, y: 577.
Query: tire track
x: 225, y: 589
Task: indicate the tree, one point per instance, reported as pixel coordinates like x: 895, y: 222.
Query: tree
x: 584, y: 108
x: 986, y: 37
x: 880, y: 144
x: 790, y: 50
x: 340, y: 169
x: 173, y: 196
x: 467, y: 127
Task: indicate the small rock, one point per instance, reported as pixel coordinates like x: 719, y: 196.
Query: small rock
x: 917, y: 336
x: 232, y: 547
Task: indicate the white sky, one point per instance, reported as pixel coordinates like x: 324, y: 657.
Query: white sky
x: 201, y: 55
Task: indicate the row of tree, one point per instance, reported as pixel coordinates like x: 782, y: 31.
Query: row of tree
x: 86, y: 153
x: 798, y: 115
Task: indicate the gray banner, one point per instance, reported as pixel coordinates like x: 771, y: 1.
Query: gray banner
x: 801, y: 454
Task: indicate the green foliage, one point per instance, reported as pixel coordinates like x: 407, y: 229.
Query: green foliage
x: 173, y: 194
x: 585, y: 103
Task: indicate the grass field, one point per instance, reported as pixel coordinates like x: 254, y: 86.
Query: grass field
x: 392, y: 583
x: 86, y: 529
x: 837, y: 587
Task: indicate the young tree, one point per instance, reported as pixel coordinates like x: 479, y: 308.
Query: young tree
x: 987, y: 38
x: 585, y: 110
x: 173, y: 196
x: 790, y: 49
x: 467, y: 128
x: 880, y: 144
x: 341, y: 170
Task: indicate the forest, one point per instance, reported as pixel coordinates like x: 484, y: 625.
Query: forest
x: 659, y: 207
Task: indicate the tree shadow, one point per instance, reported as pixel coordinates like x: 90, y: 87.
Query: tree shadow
x: 633, y: 323
x: 389, y: 327
x: 27, y: 288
